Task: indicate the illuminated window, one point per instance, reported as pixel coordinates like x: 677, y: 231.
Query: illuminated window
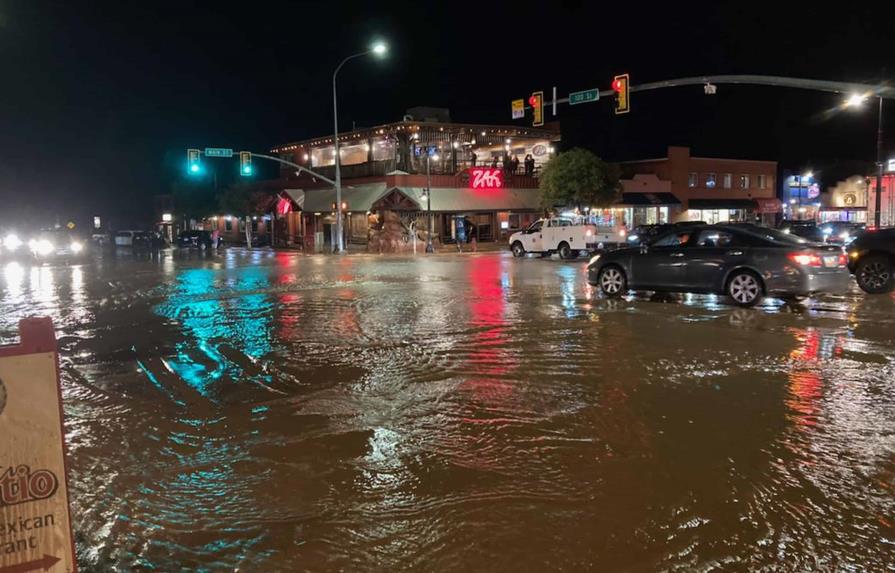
x: 692, y: 180
x: 762, y: 181
x: 710, y: 180
x: 744, y: 181
x: 728, y: 180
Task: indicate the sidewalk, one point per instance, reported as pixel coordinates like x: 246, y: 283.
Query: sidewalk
x: 449, y: 249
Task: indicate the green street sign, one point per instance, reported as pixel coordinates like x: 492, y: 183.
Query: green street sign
x: 584, y: 97
x: 218, y: 152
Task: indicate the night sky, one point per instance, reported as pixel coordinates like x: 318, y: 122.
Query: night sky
x: 99, y: 100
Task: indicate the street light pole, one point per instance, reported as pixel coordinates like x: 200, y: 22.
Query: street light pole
x: 429, y: 247
x: 378, y: 49
x: 877, y: 219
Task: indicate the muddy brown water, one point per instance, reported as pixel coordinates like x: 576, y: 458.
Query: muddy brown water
x: 277, y: 412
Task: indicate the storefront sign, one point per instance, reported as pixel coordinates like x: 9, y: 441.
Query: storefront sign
x: 518, y: 108
x: 813, y: 191
x: 35, y: 524
x: 485, y: 178
x: 769, y: 205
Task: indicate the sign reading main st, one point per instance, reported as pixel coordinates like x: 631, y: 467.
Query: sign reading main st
x: 35, y: 524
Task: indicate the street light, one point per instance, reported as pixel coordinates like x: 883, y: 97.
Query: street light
x: 379, y: 49
x: 855, y: 100
x: 434, y: 157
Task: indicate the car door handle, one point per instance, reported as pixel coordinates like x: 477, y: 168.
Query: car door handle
x: 733, y: 253
x: 676, y: 255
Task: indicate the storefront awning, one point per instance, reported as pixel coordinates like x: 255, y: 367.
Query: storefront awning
x: 649, y: 199
x: 748, y: 204
x: 358, y: 197
x: 458, y: 200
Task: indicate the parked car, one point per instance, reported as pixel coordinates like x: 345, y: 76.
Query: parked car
x: 805, y: 229
x: 56, y: 244
x: 127, y: 238
x: 871, y: 257
x: 841, y: 232
x: 745, y: 263
x: 195, y: 240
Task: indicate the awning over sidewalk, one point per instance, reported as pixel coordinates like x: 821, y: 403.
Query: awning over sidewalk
x: 456, y: 200
x: 358, y: 197
x: 749, y: 204
x: 648, y: 199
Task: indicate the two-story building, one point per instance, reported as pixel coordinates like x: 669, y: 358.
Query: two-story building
x: 480, y: 177
x: 682, y: 187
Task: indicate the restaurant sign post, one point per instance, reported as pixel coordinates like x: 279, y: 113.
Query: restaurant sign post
x: 35, y: 522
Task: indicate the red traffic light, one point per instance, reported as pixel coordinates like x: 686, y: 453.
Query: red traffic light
x: 533, y: 101
x: 617, y: 85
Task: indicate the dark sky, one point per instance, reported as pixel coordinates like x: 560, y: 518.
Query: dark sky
x: 99, y: 100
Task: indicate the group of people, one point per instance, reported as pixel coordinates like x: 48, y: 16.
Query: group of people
x: 511, y: 164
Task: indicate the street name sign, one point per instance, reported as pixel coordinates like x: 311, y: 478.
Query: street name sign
x: 218, y: 152
x: 585, y: 96
x: 35, y: 523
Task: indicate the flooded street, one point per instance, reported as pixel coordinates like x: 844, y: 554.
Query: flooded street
x: 277, y: 412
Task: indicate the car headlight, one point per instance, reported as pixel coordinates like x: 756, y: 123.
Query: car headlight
x: 593, y: 260
x: 827, y: 231
x: 633, y: 238
x: 43, y: 247
x: 76, y: 247
x: 12, y: 242
x: 843, y: 235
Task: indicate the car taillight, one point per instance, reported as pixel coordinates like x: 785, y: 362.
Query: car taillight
x: 805, y: 259
x: 843, y: 260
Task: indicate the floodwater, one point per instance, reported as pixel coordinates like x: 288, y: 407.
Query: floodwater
x: 279, y: 412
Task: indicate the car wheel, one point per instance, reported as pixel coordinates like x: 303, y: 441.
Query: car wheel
x: 518, y: 249
x: 565, y: 251
x: 745, y: 288
x: 612, y: 281
x: 874, y: 274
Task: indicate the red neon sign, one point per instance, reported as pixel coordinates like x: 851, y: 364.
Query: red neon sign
x: 284, y: 206
x: 485, y: 178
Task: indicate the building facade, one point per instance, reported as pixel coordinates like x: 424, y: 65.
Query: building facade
x: 683, y: 187
x: 477, y: 181
x: 845, y: 201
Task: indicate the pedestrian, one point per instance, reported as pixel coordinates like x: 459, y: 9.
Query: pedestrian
x: 494, y: 163
x: 529, y: 165
x: 473, y: 158
x: 506, y: 162
x: 514, y: 165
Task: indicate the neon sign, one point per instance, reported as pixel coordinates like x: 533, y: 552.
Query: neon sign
x: 485, y: 178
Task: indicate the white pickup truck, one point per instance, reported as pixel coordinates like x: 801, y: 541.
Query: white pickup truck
x: 564, y: 236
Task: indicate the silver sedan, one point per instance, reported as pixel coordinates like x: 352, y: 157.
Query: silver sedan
x: 745, y: 262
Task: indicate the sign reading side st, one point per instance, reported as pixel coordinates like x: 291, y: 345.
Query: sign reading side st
x: 35, y: 523
x: 584, y: 96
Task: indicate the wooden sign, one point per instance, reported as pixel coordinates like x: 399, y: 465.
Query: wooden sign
x: 35, y: 523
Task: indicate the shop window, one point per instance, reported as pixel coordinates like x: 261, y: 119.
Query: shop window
x: 692, y: 180
x: 322, y: 156
x: 728, y: 180
x: 353, y: 154
x: 515, y: 221
x: 228, y: 224
x: 383, y: 150
x: 762, y: 181
x: 709, y: 180
x: 254, y: 225
x: 744, y: 181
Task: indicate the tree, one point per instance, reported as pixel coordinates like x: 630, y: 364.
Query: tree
x: 244, y: 201
x: 578, y: 178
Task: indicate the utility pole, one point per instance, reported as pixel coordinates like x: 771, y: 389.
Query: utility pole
x: 877, y: 217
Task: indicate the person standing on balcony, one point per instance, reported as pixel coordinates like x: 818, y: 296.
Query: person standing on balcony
x: 529, y: 165
x: 514, y: 164
x: 473, y: 157
x: 494, y: 162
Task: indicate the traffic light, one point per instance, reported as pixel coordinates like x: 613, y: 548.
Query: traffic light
x: 193, y: 166
x: 620, y: 86
x: 245, y: 163
x: 536, y: 101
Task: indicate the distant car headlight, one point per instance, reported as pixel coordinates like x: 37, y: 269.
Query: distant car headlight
x: 593, y: 260
x: 633, y: 238
x: 786, y: 231
x: 12, y: 242
x: 76, y: 247
x: 844, y: 235
x: 42, y: 247
x: 827, y: 231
